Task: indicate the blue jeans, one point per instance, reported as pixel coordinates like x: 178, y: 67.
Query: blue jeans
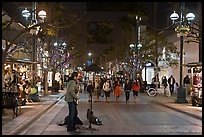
x: 72, y: 115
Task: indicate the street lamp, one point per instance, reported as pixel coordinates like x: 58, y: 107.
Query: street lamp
x: 61, y: 46
x: 34, y: 31
x: 90, y: 61
x: 137, y: 30
x: 182, y: 30
x: 135, y: 55
x: 137, y: 45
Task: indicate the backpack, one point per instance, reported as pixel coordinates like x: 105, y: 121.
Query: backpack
x: 93, y: 119
x: 66, y: 121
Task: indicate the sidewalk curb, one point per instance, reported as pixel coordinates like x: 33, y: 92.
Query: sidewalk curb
x: 179, y: 110
x: 22, y: 126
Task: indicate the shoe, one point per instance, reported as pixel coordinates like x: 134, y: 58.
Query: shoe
x: 77, y: 130
x: 98, y: 123
x: 61, y: 123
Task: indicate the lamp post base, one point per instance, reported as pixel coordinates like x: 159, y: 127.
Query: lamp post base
x: 181, y: 95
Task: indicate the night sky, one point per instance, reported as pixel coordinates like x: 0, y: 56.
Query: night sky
x: 162, y: 15
x: 164, y: 10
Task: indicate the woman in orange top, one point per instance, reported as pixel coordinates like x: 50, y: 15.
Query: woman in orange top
x: 118, y: 90
x: 135, y: 88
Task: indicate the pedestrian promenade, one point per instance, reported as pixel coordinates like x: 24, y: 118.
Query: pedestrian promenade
x: 32, y: 111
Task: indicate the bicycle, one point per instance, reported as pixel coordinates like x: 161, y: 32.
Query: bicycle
x: 11, y: 100
x: 152, y: 92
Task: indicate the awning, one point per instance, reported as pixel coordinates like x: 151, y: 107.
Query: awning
x: 27, y: 61
x: 193, y: 64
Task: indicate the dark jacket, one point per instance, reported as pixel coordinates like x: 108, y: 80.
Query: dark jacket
x: 90, y: 88
x: 169, y: 81
x: 164, y: 82
x: 186, y: 80
x: 128, y: 86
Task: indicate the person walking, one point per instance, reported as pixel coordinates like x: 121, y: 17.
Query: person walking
x: 70, y: 98
x: 106, y: 89
x: 127, y: 89
x: 117, y: 90
x: 7, y: 78
x: 90, y: 90
x: 135, y: 88
x: 187, y: 82
x: 97, y: 89
x: 56, y: 86
x: 164, y: 82
x: 171, y: 82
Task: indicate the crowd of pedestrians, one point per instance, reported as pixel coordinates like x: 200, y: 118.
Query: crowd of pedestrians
x: 95, y: 87
x: 103, y: 88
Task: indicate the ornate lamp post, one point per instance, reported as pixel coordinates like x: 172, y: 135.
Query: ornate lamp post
x: 137, y: 45
x: 137, y: 30
x: 135, y: 56
x: 34, y: 31
x: 182, y: 30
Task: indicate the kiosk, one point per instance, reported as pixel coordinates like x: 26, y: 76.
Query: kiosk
x: 195, y: 68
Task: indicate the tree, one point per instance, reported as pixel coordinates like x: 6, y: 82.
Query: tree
x: 58, y: 20
x: 149, y: 52
x: 63, y: 23
x: 153, y: 44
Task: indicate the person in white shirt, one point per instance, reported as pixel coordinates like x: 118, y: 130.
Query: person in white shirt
x: 106, y: 89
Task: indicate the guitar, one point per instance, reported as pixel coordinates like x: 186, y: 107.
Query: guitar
x: 77, y: 94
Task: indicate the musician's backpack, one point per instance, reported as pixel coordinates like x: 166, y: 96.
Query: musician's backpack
x: 93, y: 119
x: 66, y: 119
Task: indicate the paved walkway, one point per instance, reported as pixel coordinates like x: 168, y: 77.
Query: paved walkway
x: 32, y: 111
x: 29, y: 112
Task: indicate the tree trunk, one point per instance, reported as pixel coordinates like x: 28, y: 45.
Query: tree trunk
x: 45, y: 82
x: 53, y: 78
x: 141, y: 82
